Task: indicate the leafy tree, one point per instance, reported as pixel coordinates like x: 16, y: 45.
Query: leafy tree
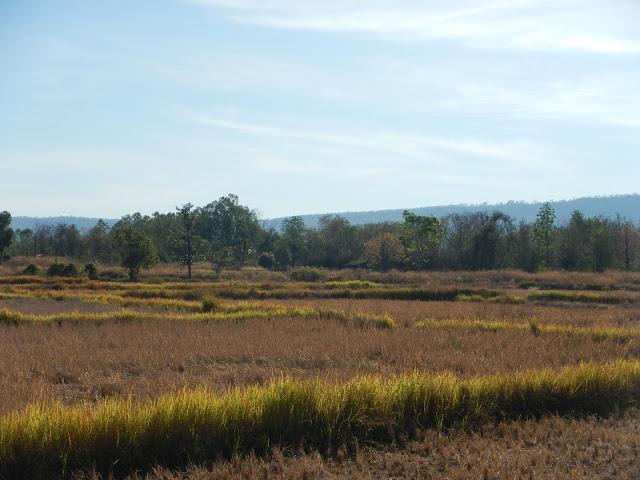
x: 525, y: 254
x: 293, y: 232
x: 420, y: 237
x: 6, y: 233
x: 98, y: 244
x: 282, y: 254
x: 627, y: 241
x: 384, y: 251
x: 135, y: 249
x: 227, y: 224
x: 267, y: 260
x: 543, y: 230
x: 601, y: 244
x: 339, y: 242
x: 574, y: 243
x: 221, y: 258
x: 491, y: 241
x: 22, y: 242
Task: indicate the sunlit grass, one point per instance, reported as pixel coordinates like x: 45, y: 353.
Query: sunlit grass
x: 117, y: 437
x: 240, y: 311
x: 583, y: 297
x: 596, y: 333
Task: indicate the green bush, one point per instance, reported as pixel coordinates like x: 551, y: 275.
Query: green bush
x: 211, y: 304
x: 31, y: 269
x: 267, y: 260
x: 62, y: 270
x: 91, y: 271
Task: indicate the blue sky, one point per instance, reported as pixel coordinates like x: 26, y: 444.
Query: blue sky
x: 297, y: 106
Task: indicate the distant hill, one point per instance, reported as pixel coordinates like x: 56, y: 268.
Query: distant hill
x: 83, y: 223
x: 626, y: 205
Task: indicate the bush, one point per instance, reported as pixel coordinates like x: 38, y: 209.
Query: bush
x: 307, y: 274
x: 31, y: 269
x: 267, y: 260
x: 211, y: 304
x: 62, y: 270
x: 91, y: 271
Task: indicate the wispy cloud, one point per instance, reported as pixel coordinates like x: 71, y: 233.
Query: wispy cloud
x: 585, y: 25
x: 410, y: 145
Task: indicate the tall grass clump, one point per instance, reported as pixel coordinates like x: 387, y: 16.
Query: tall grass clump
x: 578, y: 297
x: 118, y: 437
x: 596, y: 332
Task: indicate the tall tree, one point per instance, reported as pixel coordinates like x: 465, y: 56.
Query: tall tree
x: 543, y: 231
x: 6, y: 233
x: 420, y: 236
x: 293, y: 233
x: 135, y: 248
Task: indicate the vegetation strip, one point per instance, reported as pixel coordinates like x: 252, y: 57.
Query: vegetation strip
x: 580, y: 297
x: 117, y: 437
x: 227, y: 312
x: 597, y: 333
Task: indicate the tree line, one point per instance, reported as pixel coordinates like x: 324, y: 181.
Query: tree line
x: 229, y: 234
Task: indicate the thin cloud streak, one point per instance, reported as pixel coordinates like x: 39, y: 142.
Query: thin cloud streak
x: 403, y: 144
x: 588, y: 26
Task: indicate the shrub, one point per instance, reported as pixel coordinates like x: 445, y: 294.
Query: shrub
x: 211, y: 304
x: 91, y: 271
x: 62, y: 270
x: 267, y: 260
x: 31, y: 269
x: 307, y: 274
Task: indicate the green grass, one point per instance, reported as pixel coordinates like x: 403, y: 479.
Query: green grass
x: 117, y: 437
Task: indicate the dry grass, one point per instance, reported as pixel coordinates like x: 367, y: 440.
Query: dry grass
x: 177, y: 337
x: 198, y: 426
x: 551, y: 448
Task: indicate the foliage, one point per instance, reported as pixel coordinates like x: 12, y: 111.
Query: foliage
x: 62, y: 270
x: 384, y: 251
x: 543, y: 230
x: 307, y: 275
x: 91, y: 270
x: 267, y: 260
x: 6, y: 233
x: 420, y: 236
x: 135, y: 249
x: 31, y: 269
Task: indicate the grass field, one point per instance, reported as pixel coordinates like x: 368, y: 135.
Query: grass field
x: 359, y: 374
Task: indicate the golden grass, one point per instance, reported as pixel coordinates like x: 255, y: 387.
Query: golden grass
x: 240, y: 311
x: 117, y: 437
x: 584, y: 297
x: 596, y: 333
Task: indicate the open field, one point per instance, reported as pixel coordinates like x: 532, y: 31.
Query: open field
x: 357, y: 373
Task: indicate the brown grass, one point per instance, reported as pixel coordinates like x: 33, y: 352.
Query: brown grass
x: 84, y: 362
x: 550, y: 448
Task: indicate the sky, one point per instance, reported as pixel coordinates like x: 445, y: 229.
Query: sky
x: 301, y: 106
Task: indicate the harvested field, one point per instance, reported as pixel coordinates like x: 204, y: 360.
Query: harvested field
x: 75, y: 345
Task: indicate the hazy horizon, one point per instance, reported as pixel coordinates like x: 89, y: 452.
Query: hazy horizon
x: 117, y: 107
